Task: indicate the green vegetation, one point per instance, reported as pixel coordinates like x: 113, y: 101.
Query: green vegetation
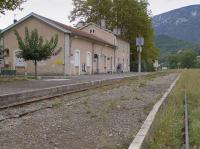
x: 185, y: 59
x: 130, y: 17
x: 10, y: 5
x: 1, y: 48
x: 34, y: 48
x: 170, y: 45
x: 11, y: 79
x: 169, y: 122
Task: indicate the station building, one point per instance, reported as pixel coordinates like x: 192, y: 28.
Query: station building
x: 88, y: 49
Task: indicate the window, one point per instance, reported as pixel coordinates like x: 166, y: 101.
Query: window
x: 6, y: 52
x: 92, y: 31
x: 77, y: 58
x: 89, y: 59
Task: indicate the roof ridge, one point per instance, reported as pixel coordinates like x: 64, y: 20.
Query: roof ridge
x: 78, y: 30
x: 63, y: 27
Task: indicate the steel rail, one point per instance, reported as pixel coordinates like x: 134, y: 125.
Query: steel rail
x: 186, y: 124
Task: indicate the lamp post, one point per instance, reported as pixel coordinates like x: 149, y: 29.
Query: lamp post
x: 139, y: 44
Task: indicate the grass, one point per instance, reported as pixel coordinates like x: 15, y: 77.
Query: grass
x: 11, y: 79
x: 169, y: 122
x: 193, y: 90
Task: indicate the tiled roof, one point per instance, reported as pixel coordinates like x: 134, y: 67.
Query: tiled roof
x: 61, y: 27
x: 81, y: 33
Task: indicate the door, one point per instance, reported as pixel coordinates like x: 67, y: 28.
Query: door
x: 105, y: 64
x: 89, y: 62
x: 111, y: 63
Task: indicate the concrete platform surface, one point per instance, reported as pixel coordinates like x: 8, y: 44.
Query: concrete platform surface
x: 30, y: 85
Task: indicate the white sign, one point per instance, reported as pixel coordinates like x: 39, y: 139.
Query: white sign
x: 156, y: 64
x: 19, y: 62
x: 139, y: 41
x: 139, y: 49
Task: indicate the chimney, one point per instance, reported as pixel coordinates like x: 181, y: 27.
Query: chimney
x: 103, y: 23
x: 14, y: 21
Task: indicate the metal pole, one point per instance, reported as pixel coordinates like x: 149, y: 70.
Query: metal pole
x: 139, y: 59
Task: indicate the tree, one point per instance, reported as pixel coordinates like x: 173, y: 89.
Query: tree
x: 1, y: 46
x: 1, y: 49
x: 129, y: 16
x: 34, y: 48
x: 184, y: 59
x: 188, y: 59
x: 91, y: 10
x: 173, y: 60
x: 10, y: 5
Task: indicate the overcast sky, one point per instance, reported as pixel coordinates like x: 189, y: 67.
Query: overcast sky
x: 59, y: 10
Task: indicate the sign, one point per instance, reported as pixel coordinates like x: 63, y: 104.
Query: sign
x: 139, y: 49
x: 19, y: 62
x: 58, y: 62
x: 139, y: 41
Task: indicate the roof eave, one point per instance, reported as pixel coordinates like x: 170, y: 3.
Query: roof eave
x: 38, y: 17
x: 96, y: 41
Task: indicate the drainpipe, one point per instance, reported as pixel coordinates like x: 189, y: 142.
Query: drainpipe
x: 67, y: 54
x: 92, y: 58
x: 70, y: 54
x: 115, y: 58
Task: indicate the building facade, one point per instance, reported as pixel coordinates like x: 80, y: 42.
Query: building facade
x: 87, y: 50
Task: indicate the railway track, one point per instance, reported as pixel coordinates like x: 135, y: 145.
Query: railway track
x: 186, y: 124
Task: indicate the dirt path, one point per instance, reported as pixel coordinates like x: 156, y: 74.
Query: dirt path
x: 102, y: 118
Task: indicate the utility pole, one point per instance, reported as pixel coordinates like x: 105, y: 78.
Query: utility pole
x: 139, y: 44
x: 139, y: 50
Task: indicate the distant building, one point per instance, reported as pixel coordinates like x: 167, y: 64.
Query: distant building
x: 87, y: 49
x: 156, y: 65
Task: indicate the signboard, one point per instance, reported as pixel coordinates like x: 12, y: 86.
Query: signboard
x: 139, y: 41
x: 139, y: 49
x: 19, y: 62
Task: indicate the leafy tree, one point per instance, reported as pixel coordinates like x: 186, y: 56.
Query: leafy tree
x: 91, y: 10
x: 184, y: 59
x: 10, y: 5
x: 129, y: 16
x: 0, y: 39
x: 168, y: 44
x: 1, y: 49
x: 173, y: 60
x: 34, y: 48
x: 188, y: 59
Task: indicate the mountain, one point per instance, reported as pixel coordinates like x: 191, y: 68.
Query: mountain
x: 168, y: 44
x: 183, y: 23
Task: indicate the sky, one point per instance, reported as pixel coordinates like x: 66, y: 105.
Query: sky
x: 59, y: 10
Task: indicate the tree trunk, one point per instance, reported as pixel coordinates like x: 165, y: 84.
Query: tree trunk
x: 35, y: 62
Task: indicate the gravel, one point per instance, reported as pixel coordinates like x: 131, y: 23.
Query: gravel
x: 102, y: 118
